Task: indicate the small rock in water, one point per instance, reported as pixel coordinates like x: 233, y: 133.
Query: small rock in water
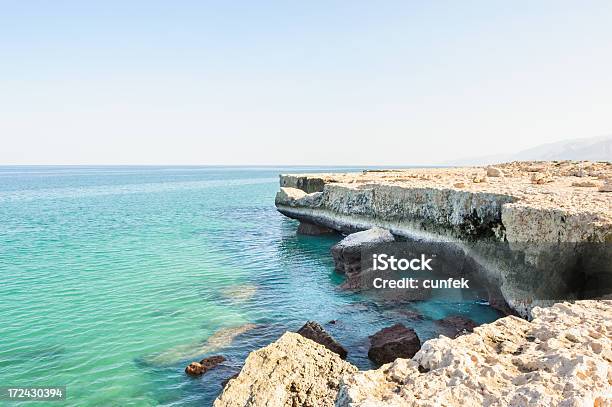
x: 455, y: 326
x: 315, y: 332
x: 204, y: 365
x: 393, y: 342
x: 194, y: 369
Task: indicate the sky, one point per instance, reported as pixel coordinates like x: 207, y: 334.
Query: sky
x: 294, y: 83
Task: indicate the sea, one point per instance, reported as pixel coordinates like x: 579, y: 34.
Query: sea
x: 114, y: 278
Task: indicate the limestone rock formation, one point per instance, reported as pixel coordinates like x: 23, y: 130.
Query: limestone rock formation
x: 347, y: 252
x: 293, y: 371
x: 443, y: 204
x: 393, y: 342
x: 562, y: 358
x: 315, y: 332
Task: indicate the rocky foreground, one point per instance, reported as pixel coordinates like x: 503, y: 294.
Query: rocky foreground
x: 563, y: 357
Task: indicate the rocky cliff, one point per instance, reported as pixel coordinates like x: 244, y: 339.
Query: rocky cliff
x: 524, y: 205
x: 563, y: 357
x: 516, y: 202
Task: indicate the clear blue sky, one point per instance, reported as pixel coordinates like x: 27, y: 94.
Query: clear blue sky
x: 353, y: 82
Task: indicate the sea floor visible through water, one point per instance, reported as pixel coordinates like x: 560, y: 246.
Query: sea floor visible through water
x: 112, y: 279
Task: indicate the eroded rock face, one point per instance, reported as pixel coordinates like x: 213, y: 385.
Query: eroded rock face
x: 293, y: 371
x: 393, y: 342
x: 444, y: 204
x: 562, y: 358
x: 315, y: 332
x: 347, y: 252
x: 425, y: 201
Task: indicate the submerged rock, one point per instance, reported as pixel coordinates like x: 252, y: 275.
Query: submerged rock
x: 315, y: 332
x: 220, y: 339
x: 393, y: 342
x: 293, y: 371
x: 198, y: 368
x: 347, y: 252
x: 239, y: 293
x: 456, y: 325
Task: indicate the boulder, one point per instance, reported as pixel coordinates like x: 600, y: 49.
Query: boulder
x: 310, y: 229
x: 315, y: 332
x: 494, y: 172
x: 455, y: 326
x: 607, y: 186
x: 347, y: 252
x: 293, y: 371
x: 204, y: 365
x: 393, y: 342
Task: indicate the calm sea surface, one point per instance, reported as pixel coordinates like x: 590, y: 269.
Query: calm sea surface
x: 112, y: 279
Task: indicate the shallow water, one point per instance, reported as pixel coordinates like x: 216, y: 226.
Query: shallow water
x: 112, y: 279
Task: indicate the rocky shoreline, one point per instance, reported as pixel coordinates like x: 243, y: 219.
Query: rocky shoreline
x: 522, y: 207
x: 560, y: 355
x: 563, y: 357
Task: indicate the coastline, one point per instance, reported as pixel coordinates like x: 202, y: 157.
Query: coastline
x: 512, y: 361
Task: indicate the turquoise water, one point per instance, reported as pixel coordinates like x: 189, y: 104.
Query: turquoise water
x: 112, y: 279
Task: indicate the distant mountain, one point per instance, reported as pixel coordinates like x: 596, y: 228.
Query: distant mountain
x: 593, y: 149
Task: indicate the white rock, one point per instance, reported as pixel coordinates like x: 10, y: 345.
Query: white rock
x: 494, y: 172
x: 293, y: 371
x: 505, y: 363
